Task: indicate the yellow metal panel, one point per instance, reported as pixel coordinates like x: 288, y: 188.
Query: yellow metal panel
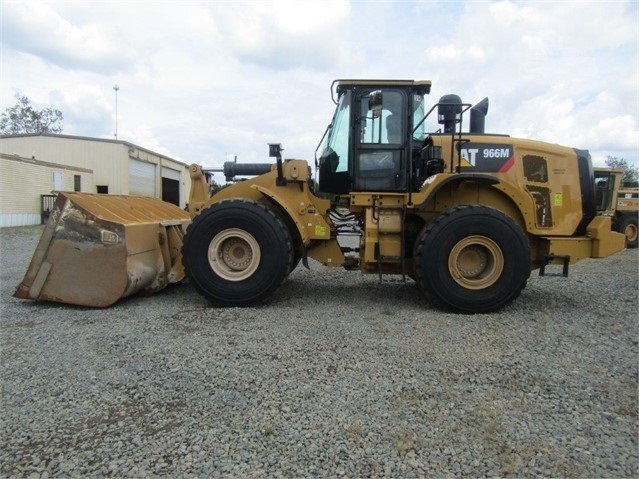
x: 328, y: 253
x: 605, y: 241
x: 389, y: 221
x: 126, y: 209
x: 577, y: 248
x: 599, y: 243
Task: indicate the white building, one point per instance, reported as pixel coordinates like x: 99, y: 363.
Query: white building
x: 35, y: 166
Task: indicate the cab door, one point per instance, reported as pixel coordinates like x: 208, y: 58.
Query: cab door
x: 379, y: 147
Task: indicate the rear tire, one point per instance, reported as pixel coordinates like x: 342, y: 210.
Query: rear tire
x: 472, y: 259
x: 628, y: 226
x: 237, y: 252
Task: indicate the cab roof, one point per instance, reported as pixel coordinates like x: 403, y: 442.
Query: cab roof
x: 423, y: 85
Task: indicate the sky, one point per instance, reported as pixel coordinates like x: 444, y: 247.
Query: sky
x: 209, y: 81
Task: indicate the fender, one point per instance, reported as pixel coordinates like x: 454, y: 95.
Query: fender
x: 521, y: 201
x: 302, y: 209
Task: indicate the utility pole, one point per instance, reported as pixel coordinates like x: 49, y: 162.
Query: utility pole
x: 116, y: 88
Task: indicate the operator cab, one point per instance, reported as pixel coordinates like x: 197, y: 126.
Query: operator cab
x: 371, y: 142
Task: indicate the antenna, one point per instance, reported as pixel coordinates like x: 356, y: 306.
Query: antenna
x: 115, y: 89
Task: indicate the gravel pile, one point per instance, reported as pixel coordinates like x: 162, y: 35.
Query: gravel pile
x: 337, y: 376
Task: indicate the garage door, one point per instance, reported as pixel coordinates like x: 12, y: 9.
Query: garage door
x: 141, y: 178
x: 170, y: 173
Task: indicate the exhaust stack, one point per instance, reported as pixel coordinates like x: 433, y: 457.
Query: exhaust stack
x: 478, y: 116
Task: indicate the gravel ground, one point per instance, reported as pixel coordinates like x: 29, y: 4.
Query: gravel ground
x: 337, y: 376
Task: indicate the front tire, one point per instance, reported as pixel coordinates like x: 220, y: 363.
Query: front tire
x: 237, y: 252
x: 472, y: 259
x: 628, y: 227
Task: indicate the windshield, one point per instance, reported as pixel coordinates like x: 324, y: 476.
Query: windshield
x: 335, y: 146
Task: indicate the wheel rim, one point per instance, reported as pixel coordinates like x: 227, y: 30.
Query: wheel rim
x: 631, y: 232
x: 476, y: 262
x: 234, y: 254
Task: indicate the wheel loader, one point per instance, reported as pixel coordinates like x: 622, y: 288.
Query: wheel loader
x: 627, y: 214
x: 465, y: 214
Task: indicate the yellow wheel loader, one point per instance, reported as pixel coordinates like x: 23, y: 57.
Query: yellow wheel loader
x: 627, y: 214
x: 465, y: 214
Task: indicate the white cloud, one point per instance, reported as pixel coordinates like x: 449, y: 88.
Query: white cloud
x: 143, y: 136
x: 77, y: 117
x: 452, y: 53
x: 35, y: 28
x: 563, y: 72
x: 618, y: 133
x: 286, y: 34
x: 202, y: 80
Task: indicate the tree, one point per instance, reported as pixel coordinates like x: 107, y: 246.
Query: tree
x: 630, y: 172
x: 24, y: 118
x: 215, y: 186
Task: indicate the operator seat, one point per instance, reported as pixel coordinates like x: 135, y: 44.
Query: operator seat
x: 394, y: 128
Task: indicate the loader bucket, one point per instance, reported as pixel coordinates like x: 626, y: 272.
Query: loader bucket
x: 97, y: 249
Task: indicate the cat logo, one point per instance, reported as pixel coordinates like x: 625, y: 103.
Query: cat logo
x: 487, y: 157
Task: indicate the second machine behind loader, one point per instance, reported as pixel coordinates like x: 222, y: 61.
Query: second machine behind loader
x: 627, y: 214
x: 467, y: 215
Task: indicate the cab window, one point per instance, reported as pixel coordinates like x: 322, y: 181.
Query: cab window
x: 381, y: 119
